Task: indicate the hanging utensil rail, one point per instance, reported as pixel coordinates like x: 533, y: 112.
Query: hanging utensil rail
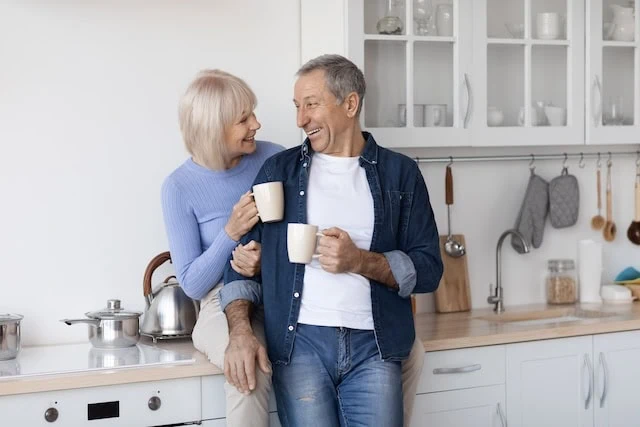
x: 531, y: 157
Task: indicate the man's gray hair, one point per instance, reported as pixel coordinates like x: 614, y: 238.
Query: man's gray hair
x: 342, y: 76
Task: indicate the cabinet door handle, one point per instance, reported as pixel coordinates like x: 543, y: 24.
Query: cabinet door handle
x: 459, y: 370
x: 605, y: 375
x: 503, y: 422
x: 596, y: 112
x: 587, y: 364
x: 467, y: 85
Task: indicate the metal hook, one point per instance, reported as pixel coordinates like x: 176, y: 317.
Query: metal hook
x: 564, y: 162
x: 599, y: 163
x: 532, y: 167
x: 581, y: 164
x: 609, y: 162
x: 450, y: 161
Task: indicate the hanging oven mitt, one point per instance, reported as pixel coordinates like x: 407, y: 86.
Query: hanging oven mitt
x: 564, y: 200
x: 533, y: 213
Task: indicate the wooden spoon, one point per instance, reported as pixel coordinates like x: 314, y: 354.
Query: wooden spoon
x: 609, y: 231
x: 633, y: 233
x: 597, y: 222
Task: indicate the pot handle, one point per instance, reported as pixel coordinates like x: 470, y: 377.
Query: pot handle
x: 148, y: 273
x: 94, y: 322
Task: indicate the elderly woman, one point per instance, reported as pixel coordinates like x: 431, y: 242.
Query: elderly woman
x: 207, y: 209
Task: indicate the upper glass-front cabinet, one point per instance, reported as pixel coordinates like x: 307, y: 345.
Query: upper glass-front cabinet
x: 613, y: 72
x: 416, y: 56
x: 528, y: 71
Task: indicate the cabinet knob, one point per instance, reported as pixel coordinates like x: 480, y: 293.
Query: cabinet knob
x: 51, y: 415
x: 155, y: 403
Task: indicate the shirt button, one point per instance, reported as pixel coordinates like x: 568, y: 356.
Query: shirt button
x: 302, y: 193
x: 304, y: 165
x: 296, y: 294
x: 290, y: 328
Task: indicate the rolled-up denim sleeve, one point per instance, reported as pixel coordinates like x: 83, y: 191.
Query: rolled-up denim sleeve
x: 249, y: 290
x: 403, y: 271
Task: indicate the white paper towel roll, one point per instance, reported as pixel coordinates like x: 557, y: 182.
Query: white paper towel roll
x: 590, y: 270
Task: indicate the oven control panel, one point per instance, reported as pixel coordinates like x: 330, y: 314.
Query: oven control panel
x: 148, y: 403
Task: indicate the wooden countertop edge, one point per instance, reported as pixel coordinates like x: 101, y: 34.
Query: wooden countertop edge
x: 105, y: 378
x: 530, y: 335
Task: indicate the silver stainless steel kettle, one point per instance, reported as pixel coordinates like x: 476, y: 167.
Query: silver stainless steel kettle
x: 170, y: 313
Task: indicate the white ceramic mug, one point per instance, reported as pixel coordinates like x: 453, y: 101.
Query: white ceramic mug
x: 269, y: 198
x: 557, y: 116
x: 548, y: 25
x: 435, y: 115
x: 301, y: 242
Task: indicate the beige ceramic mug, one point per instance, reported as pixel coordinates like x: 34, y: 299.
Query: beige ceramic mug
x: 269, y: 198
x: 301, y: 242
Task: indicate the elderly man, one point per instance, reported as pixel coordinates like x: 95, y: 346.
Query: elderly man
x: 337, y: 328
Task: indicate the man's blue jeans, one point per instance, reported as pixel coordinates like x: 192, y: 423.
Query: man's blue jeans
x: 336, y: 378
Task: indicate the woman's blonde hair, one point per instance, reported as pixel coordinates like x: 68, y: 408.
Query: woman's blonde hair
x: 212, y: 102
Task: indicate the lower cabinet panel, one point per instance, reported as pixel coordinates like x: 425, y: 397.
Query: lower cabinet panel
x: 478, y: 407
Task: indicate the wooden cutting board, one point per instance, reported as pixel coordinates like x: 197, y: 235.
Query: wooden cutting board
x: 453, y: 294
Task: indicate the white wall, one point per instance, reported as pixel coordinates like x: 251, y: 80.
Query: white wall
x: 88, y: 131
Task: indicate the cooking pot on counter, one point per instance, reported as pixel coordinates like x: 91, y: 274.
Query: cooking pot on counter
x: 170, y: 313
x: 111, y: 327
x: 9, y: 336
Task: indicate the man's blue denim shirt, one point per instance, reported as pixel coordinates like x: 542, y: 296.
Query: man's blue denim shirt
x: 404, y: 231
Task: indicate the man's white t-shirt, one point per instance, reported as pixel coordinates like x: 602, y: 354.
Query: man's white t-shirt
x: 338, y: 196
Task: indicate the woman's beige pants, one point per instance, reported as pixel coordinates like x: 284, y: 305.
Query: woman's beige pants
x: 211, y: 336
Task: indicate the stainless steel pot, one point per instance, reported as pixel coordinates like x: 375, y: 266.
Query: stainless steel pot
x: 9, y: 336
x: 112, y: 327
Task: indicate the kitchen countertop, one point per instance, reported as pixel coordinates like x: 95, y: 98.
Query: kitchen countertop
x: 437, y: 331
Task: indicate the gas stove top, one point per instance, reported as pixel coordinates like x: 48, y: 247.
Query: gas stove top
x: 68, y: 358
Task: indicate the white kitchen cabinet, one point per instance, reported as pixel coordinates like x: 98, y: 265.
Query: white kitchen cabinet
x: 617, y: 379
x: 613, y: 75
x: 478, y: 407
x: 550, y: 383
x: 535, y: 84
x: 484, y: 64
x: 428, y: 72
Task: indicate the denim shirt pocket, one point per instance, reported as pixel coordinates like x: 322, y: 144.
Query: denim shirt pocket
x: 400, y: 207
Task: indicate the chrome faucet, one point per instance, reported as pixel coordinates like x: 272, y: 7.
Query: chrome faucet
x: 497, y: 297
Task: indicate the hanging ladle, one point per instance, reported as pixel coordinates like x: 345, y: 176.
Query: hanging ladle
x: 633, y: 233
x: 609, y: 231
x: 452, y: 247
x: 598, y: 221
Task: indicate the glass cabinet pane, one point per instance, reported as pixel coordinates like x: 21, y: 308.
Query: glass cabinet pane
x: 505, y: 84
x: 385, y: 70
x: 505, y: 19
x: 385, y: 17
x: 618, y: 72
x: 433, y: 84
x: 548, y: 19
x: 618, y: 20
x: 548, y: 86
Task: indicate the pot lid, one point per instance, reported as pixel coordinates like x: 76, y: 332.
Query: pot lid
x: 113, y: 311
x: 9, y: 318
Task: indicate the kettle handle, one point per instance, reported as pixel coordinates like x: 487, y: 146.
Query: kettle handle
x: 148, y: 273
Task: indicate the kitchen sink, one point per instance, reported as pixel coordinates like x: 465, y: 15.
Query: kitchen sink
x: 543, y: 317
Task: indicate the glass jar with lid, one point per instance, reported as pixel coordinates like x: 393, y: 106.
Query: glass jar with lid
x: 561, y: 282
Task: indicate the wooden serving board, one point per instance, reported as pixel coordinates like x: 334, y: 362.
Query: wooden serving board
x: 453, y: 294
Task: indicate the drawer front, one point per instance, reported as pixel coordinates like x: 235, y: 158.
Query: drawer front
x: 463, y: 368
x: 175, y: 401
x: 214, y: 399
